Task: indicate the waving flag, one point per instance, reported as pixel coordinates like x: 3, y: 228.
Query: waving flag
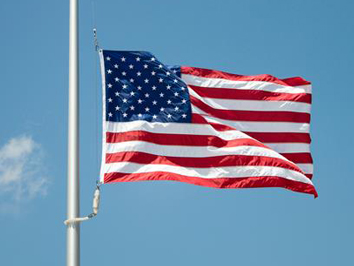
x: 203, y: 127
x: 274, y: 111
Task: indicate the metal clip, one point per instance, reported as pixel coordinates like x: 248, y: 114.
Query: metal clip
x: 95, y: 39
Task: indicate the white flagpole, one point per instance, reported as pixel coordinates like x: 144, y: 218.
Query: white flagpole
x: 73, y: 200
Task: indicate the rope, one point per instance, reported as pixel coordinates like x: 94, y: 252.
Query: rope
x: 96, y: 46
x: 96, y: 104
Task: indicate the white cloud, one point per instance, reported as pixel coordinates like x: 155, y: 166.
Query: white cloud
x: 22, y: 175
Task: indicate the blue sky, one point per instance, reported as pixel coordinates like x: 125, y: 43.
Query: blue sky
x: 170, y: 223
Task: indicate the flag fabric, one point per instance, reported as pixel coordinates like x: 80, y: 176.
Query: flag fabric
x: 274, y: 111
x: 203, y: 127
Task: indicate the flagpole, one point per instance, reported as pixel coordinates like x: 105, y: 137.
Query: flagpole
x: 73, y: 201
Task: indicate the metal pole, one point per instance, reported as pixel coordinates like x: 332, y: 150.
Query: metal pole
x: 73, y: 200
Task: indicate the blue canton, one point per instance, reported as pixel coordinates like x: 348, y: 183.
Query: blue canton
x: 139, y: 87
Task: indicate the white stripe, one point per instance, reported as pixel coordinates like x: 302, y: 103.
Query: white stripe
x: 289, y: 147
x: 243, y: 85
x: 307, y: 168
x: 249, y: 105
x: 190, y: 151
x: 207, y: 173
x: 174, y: 128
x: 257, y: 126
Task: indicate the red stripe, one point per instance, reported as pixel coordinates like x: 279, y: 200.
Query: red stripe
x: 199, y: 119
x: 298, y: 157
x: 205, y: 162
x: 180, y: 139
x: 208, y: 73
x: 247, y: 182
x: 258, y: 95
x: 259, y: 116
x: 309, y: 176
x: 274, y: 137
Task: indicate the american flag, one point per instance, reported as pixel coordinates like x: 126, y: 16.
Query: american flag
x: 203, y: 127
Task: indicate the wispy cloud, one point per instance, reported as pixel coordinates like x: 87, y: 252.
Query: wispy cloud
x: 22, y: 175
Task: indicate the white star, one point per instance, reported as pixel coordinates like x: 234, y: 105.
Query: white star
x: 161, y: 94
x: 140, y: 115
x: 109, y: 71
x: 110, y: 114
x: 176, y: 93
x: 139, y: 88
x: 162, y: 109
x: 137, y: 59
x: 146, y: 81
x: 124, y: 73
x: 168, y: 73
x: 175, y: 71
x: 154, y: 102
x: 145, y: 66
x: 175, y: 80
x: 147, y: 95
x: 147, y: 109
x: 153, y: 88
x: 168, y: 87
x: 183, y: 88
x: 108, y: 58
x: 117, y: 93
x: 169, y: 115
x: 116, y: 66
x: 109, y: 85
x: 110, y: 100
x: 169, y: 102
x: 138, y: 74
x: 132, y: 93
x: 160, y: 66
x: 125, y: 100
x: 124, y: 86
x: 116, y: 79
x: 117, y: 108
x: 131, y: 80
x: 123, y: 59
x: 132, y: 108
x: 176, y: 108
x: 131, y: 66
x: 140, y: 101
x: 160, y: 80
x: 153, y: 59
x: 154, y: 116
x: 153, y: 73
x: 184, y: 115
x: 184, y: 101
x: 125, y: 115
